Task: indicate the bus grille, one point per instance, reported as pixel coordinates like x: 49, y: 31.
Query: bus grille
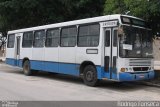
x: 140, y: 68
x: 139, y: 62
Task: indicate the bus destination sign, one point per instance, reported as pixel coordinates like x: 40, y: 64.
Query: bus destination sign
x: 109, y: 24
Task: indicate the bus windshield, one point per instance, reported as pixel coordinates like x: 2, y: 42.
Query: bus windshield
x: 135, y: 42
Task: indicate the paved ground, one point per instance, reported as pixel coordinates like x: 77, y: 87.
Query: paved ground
x: 15, y: 86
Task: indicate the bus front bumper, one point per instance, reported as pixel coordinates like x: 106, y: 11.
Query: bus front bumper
x: 125, y: 76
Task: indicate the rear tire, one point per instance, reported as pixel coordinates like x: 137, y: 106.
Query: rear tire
x: 90, y: 76
x: 26, y: 68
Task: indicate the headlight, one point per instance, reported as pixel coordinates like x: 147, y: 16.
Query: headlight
x: 123, y: 69
x: 126, y: 70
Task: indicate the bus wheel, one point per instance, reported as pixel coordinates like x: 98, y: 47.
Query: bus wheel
x: 90, y: 76
x: 26, y: 68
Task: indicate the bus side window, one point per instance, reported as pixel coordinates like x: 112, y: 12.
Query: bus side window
x: 39, y: 38
x: 107, y: 41
x: 27, y: 39
x: 68, y: 37
x: 11, y: 40
x: 89, y: 35
x: 52, y: 38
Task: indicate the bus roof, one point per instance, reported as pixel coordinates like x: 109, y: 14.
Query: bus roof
x: 70, y: 23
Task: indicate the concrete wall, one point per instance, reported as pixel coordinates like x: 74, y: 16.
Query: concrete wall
x: 156, y: 53
x: 156, y: 49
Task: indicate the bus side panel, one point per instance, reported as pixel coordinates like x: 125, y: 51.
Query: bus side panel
x: 68, y: 68
x: 51, y: 66
x: 10, y: 56
x: 37, y: 59
x: 93, y: 54
x: 51, y: 59
x: 36, y: 65
x: 95, y: 58
x: 67, y: 60
x: 25, y: 53
x: 11, y: 61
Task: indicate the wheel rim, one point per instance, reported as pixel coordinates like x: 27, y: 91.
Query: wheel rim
x: 89, y: 76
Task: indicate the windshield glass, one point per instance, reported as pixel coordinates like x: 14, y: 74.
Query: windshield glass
x: 135, y: 42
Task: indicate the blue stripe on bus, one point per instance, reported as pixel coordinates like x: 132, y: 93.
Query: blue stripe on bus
x: 51, y: 66
x: 64, y: 68
x: 11, y: 61
x: 73, y: 69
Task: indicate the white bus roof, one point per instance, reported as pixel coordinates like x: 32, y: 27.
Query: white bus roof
x: 70, y: 23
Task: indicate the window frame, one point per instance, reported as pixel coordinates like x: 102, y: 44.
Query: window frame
x: 8, y: 41
x: 75, y: 36
x: 32, y: 39
x: 97, y: 23
x: 59, y: 30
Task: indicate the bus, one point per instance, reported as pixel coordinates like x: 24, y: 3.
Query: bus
x: 112, y: 47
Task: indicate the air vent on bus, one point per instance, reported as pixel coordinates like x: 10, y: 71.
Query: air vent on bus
x: 139, y: 62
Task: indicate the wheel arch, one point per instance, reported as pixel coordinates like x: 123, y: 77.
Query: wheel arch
x: 84, y: 64
x: 24, y: 59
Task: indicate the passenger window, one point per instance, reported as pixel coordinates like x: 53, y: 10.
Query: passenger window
x: 52, y: 38
x: 88, y: 35
x: 68, y: 37
x: 39, y: 38
x: 27, y: 39
x: 11, y: 40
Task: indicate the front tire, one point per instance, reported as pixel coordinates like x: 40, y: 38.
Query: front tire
x: 26, y: 68
x: 90, y: 76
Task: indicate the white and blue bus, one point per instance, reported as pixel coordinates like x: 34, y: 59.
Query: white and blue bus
x: 113, y: 47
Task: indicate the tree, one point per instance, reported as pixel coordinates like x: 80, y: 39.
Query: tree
x: 2, y: 42
x: 16, y: 14
x: 145, y: 9
x: 114, y: 7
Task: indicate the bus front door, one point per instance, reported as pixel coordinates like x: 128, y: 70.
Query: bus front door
x: 110, y: 60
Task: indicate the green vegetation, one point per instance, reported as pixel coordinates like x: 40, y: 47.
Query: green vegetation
x: 16, y: 14
x: 145, y: 9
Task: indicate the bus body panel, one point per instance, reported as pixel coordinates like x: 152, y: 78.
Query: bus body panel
x: 67, y: 60
x: 51, y: 59
x: 37, y: 59
x: 10, y: 57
